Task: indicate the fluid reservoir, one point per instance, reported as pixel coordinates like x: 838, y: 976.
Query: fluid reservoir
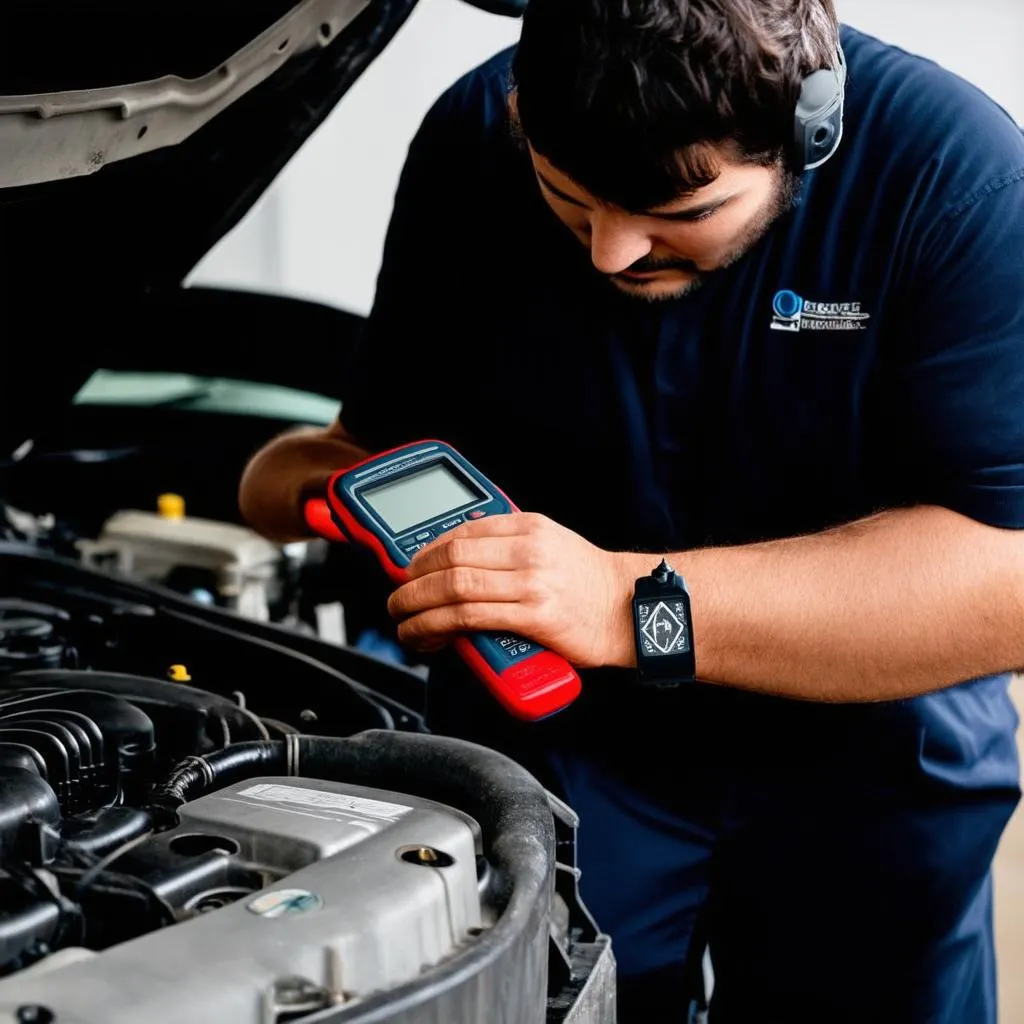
x: 154, y: 545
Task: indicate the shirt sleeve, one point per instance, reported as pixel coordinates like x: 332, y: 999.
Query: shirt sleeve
x: 960, y: 382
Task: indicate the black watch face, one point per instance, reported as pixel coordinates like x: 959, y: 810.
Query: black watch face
x: 663, y: 627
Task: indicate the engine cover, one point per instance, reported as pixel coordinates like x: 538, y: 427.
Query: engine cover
x: 368, y: 889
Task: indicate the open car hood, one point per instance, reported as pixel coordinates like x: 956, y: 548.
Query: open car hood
x: 134, y: 140
x: 131, y: 141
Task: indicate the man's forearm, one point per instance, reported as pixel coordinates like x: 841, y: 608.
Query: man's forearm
x: 900, y: 604
x: 279, y: 474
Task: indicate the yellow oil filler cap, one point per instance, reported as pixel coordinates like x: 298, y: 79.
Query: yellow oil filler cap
x: 171, y: 506
x: 178, y: 674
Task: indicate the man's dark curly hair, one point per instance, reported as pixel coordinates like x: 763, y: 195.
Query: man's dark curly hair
x: 624, y: 96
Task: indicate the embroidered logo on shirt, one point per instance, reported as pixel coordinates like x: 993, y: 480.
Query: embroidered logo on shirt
x: 793, y: 313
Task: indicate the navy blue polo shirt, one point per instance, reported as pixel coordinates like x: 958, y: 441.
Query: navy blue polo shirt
x: 867, y: 354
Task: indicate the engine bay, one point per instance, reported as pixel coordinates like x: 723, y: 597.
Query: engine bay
x: 208, y: 817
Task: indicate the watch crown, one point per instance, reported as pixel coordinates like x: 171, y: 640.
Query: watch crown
x: 664, y: 572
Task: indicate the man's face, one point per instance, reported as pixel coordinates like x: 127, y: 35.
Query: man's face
x: 667, y: 252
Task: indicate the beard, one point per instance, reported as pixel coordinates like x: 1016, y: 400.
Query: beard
x: 779, y: 203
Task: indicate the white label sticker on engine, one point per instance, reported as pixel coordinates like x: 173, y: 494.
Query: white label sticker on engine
x: 344, y: 802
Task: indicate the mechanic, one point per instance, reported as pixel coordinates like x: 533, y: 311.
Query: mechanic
x: 611, y: 281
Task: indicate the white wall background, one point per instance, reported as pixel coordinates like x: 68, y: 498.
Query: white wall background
x: 318, y: 232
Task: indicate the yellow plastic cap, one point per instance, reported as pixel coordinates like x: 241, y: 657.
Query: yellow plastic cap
x: 171, y: 506
x: 178, y: 674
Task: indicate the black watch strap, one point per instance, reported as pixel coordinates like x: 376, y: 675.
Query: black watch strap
x: 663, y: 628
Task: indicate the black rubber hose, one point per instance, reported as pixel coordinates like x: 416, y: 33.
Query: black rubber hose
x: 196, y: 775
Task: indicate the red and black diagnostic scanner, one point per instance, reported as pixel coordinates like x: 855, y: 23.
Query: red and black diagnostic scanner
x: 398, y: 502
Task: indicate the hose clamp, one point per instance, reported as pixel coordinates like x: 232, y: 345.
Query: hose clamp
x: 291, y: 753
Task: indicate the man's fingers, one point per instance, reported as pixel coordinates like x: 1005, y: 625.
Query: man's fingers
x: 472, y: 552
x: 460, y: 585
x: 451, y: 620
x: 477, y: 577
x: 513, y: 524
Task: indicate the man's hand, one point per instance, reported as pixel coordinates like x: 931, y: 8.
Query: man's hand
x: 522, y: 573
x: 286, y: 470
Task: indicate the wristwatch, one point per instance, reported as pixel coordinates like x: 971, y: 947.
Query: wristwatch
x: 663, y: 629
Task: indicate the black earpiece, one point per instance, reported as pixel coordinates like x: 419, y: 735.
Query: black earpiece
x: 819, y: 115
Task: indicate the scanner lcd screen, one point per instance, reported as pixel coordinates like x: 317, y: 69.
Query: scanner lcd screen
x: 419, y: 497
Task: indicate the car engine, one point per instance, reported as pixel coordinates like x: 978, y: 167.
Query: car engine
x: 210, y: 818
